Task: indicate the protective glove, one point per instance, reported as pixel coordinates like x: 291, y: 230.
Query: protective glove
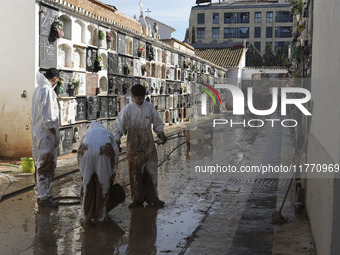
x: 162, y: 137
x: 118, y: 145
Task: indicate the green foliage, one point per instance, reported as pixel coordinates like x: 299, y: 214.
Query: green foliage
x: 193, y: 36
x: 186, y: 35
x: 253, y: 57
x: 281, y: 55
x: 269, y: 56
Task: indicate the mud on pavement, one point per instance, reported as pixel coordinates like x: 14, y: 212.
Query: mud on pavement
x: 205, y: 213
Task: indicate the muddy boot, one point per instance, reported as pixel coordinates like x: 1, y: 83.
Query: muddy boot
x: 158, y: 203
x: 46, y: 202
x: 135, y: 204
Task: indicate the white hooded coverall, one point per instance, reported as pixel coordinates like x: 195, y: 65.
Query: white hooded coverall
x: 97, y: 157
x: 141, y: 149
x: 45, y: 116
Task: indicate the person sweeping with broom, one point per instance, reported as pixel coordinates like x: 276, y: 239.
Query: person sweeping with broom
x: 137, y: 118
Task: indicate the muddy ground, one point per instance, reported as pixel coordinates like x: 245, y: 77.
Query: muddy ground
x: 219, y: 213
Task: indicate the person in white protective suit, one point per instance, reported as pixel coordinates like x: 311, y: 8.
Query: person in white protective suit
x: 97, y: 157
x: 45, y: 134
x: 137, y: 118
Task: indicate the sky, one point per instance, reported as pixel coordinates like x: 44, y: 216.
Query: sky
x: 174, y: 13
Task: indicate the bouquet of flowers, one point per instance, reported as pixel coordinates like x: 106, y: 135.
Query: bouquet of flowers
x: 101, y: 34
x: 140, y: 49
x: 75, y: 82
x: 109, y: 37
x: 56, y: 29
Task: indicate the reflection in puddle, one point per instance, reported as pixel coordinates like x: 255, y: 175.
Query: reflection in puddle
x: 146, y: 230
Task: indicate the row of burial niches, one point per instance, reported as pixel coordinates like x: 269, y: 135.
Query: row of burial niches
x: 77, y: 113
x: 72, y: 43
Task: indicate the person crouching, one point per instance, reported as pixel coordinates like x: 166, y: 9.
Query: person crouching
x: 97, y: 158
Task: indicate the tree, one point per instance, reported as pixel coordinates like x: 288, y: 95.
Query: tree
x: 269, y: 58
x: 186, y: 39
x: 193, y: 35
x: 281, y: 55
x: 253, y: 57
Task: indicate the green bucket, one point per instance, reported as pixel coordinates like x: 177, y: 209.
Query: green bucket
x: 27, y: 165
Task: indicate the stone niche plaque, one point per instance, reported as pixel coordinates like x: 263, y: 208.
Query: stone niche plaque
x: 113, y: 85
x: 121, y: 62
x: 154, y: 101
x: 81, y: 108
x: 161, y: 103
x: 136, y: 43
x: 91, y: 83
x: 121, y: 43
x: 180, y: 101
x: 175, y: 101
x: 180, y: 61
x: 103, y: 107
x: 111, y: 125
x: 128, y: 83
x: 47, y: 53
x: 67, y: 78
x: 92, y: 107
x: 79, y: 131
x: 137, y: 67
x: 121, y: 101
x: 46, y: 18
x: 129, y: 61
x: 167, y: 102
x: 91, y: 55
x: 113, y: 63
x: 81, y: 90
x: 65, y: 144
x: 112, y: 106
x: 68, y: 111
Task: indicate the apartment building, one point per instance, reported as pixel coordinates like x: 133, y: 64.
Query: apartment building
x: 253, y: 21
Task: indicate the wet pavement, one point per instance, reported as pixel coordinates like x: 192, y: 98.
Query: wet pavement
x: 205, y: 213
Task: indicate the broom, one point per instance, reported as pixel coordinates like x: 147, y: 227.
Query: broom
x: 277, y: 217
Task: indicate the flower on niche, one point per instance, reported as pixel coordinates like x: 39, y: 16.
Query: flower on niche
x: 75, y: 82
x: 101, y: 34
x: 140, y: 49
x: 109, y: 37
x: 57, y: 28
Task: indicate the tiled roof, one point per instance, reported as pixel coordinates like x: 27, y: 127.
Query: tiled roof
x: 224, y: 57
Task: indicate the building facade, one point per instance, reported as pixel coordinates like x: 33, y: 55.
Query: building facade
x: 101, y: 54
x: 254, y: 21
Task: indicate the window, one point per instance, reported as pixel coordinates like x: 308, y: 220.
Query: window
x: 243, y: 32
x: 257, y: 45
x: 228, y: 18
x: 243, y: 17
x: 257, y: 17
x: 236, y: 32
x: 216, y: 32
x: 200, y: 18
x: 200, y: 33
x: 257, y: 32
x: 283, y: 16
x: 269, y: 32
x: 279, y: 44
x: 269, y: 17
x: 230, y: 32
x: 216, y: 18
x: 283, y: 32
